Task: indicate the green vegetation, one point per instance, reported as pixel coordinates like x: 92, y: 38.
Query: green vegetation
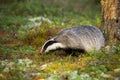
x: 26, y: 25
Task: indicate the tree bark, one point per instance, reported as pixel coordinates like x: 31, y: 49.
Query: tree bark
x: 110, y: 24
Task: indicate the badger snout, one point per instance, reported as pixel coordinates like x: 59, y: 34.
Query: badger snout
x: 40, y: 51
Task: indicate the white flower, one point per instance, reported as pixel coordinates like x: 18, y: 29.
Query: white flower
x: 3, y: 63
x: 35, y: 74
x: 40, y: 19
x: 117, y: 70
x: 43, y: 66
x: 20, y: 61
x: 85, y: 76
x: 106, y: 75
x: 28, y: 62
x: 6, y: 69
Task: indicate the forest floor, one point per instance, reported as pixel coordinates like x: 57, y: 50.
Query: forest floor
x: 22, y: 62
x: 25, y: 26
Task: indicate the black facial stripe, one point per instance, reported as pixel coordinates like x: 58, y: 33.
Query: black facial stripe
x: 47, y: 44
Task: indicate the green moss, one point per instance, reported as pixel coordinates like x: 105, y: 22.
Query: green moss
x: 30, y: 37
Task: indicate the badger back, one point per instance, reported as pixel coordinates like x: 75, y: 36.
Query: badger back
x: 81, y: 37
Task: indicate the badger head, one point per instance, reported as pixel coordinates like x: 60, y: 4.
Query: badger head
x: 51, y: 45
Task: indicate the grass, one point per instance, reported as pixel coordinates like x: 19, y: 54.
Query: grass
x: 43, y: 66
x: 25, y: 28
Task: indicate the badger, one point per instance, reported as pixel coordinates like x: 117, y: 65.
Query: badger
x: 85, y: 38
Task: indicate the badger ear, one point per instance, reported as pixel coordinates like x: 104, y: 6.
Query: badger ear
x: 48, y: 43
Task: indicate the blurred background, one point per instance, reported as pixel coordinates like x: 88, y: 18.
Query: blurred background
x: 25, y: 25
x: 35, y: 21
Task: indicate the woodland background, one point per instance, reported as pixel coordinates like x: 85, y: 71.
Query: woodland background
x: 26, y: 24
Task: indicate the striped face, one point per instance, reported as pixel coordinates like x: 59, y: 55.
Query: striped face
x: 51, y: 45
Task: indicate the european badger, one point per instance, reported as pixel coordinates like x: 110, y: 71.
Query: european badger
x: 85, y: 38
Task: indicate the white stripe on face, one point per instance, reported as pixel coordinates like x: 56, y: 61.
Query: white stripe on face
x: 42, y: 49
x: 54, y: 46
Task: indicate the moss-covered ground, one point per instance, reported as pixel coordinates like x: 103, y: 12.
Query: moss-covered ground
x: 25, y: 26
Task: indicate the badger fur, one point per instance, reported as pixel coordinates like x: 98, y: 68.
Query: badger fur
x: 85, y: 38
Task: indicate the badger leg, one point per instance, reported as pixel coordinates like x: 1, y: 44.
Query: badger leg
x: 68, y: 51
x: 74, y: 52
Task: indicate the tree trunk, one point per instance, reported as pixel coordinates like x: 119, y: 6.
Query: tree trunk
x: 110, y: 24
